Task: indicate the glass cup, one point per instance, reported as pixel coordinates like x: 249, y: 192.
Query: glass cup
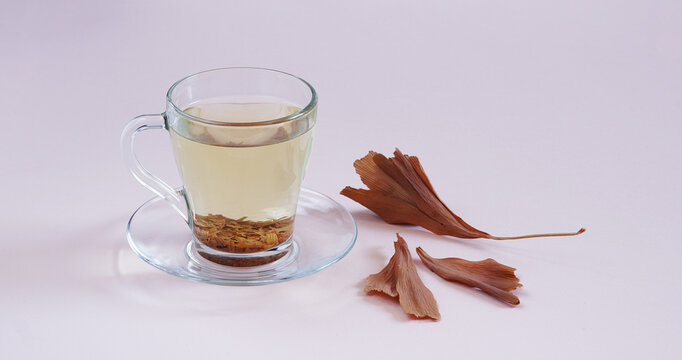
x: 241, y: 139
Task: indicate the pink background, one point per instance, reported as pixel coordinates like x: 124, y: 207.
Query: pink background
x: 529, y: 116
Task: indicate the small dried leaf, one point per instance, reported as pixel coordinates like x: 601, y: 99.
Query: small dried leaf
x: 401, y: 193
x: 491, y: 277
x: 400, y: 279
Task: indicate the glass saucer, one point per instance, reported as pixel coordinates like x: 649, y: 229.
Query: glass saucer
x: 324, y: 233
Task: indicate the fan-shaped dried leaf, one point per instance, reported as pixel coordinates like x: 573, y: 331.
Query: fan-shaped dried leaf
x: 400, y: 279
x: 401, y: 193
x: 491, y: 277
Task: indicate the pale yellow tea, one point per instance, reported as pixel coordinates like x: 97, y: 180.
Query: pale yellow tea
x: 241, y: 182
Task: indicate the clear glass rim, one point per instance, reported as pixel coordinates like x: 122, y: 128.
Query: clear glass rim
x: 301, y: 113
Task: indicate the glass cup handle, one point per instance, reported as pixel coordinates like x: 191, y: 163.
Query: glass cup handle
x: 174, y: 198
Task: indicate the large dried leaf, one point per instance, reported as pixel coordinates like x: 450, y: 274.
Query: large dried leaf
x: 401, y: 193
x: 400, y: 279
x: 491, y: 277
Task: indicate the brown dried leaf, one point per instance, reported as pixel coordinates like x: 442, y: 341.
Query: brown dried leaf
x: 401, y: 193
x: 491, y: 277
x: 400, y: 279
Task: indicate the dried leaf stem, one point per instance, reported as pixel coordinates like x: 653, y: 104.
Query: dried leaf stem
x: 401, y: 193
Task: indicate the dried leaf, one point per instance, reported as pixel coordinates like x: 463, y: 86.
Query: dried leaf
x: 491, y: 277
x: 401, y: 193
x: 400, y: 279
